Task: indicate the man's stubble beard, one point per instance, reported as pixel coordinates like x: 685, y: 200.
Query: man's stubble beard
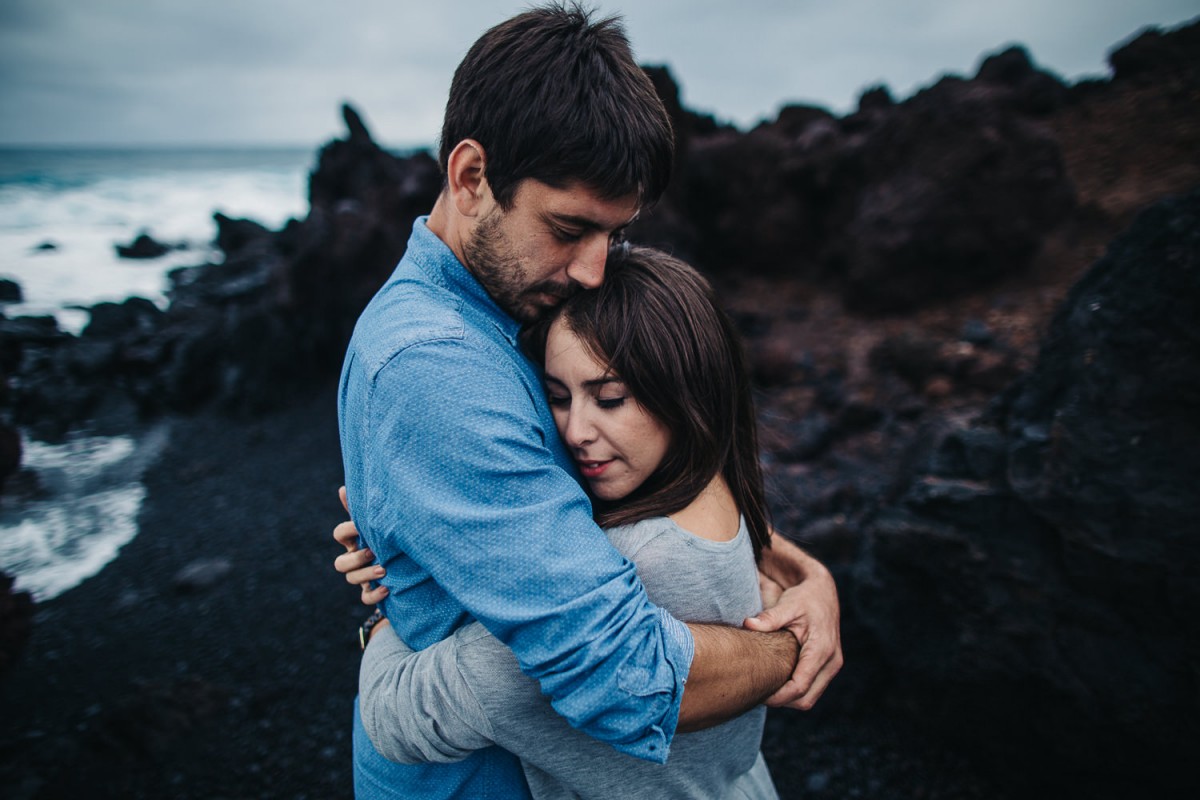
x: 495, y: 264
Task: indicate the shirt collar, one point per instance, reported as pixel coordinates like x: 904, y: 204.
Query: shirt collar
x: 437, y: 261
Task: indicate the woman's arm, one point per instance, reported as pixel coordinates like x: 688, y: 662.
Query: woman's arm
x: 416, y: 707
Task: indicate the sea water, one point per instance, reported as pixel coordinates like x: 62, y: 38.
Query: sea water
x: 62, y: 212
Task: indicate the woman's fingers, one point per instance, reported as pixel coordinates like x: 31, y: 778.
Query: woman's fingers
x: 346, y: 535
x: 355, y: 564
x: 371, y: 597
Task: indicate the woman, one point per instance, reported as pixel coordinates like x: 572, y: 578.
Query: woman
x: 646, y: 381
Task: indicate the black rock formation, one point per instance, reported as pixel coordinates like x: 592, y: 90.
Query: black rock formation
x: 899, y: 204
x: 16, y: 614
x: 10, y: 291
x: 272, y: 318
x: 144, y: 247
x: 1034, y: 587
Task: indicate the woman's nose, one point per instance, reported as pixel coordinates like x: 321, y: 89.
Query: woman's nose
x: 580, y: 430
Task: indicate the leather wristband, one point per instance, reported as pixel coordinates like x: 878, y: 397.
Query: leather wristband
x: 364, y: 630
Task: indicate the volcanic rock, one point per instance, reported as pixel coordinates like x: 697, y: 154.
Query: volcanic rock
x: 16, y: 615
x: 1035, y: 585
x: 10, y: 291
x: 143, y: 247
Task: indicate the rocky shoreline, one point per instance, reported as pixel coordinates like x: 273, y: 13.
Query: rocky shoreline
x: 973, y: 321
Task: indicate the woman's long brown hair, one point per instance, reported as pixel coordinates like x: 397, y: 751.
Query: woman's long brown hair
x: 655, y: 322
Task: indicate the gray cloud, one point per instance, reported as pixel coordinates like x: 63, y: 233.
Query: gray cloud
x: 272, y: 71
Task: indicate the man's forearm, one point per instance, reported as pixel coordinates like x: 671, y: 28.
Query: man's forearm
x: 732, y: 671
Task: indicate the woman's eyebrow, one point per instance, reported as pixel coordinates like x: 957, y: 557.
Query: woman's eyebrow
x: 602, y: 381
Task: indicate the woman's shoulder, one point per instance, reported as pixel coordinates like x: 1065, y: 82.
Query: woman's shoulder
x: 664, y: 532
x: 629, y: 539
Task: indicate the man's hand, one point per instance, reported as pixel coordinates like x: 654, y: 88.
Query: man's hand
x: 809, y: 608
x: 770, y: 591
x: 357, y: 564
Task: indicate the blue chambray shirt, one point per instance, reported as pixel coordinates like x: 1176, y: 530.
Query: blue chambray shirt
x: 458, y: 482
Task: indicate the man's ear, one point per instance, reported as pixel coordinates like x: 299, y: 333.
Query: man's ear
x: 466, y: 178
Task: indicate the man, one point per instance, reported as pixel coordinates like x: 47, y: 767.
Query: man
x: 553, y: 141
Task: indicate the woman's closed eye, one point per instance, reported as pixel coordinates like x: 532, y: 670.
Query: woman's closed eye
x: 610, y: 402
x: 557, y: 398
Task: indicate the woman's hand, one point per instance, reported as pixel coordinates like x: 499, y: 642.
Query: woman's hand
x: 357, y: 564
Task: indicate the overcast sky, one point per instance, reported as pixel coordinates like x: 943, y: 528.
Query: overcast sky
x: 276, y: 71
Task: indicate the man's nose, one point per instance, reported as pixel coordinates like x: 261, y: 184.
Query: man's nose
x: 588, y: 267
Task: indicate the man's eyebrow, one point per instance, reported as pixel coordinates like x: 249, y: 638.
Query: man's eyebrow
x: 584, y: 222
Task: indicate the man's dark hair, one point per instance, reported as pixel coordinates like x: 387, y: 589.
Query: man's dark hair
x: 554, y: 96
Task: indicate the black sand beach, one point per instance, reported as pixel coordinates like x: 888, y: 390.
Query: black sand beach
x: 134, y: 687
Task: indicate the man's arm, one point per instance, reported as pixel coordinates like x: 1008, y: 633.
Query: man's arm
x: 732, y: 671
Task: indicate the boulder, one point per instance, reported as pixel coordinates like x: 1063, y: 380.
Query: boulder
x: 16, y: 617
x: 144, y: 246
x: 945, y: 193
x: 1155, y: 55
x: 11, y: 451
x: 10, y: 291
x: 899, y: 204
x: 1032, y: 90
x: 1034, y: 587
x: 235, y: 234
x: 109, y: 320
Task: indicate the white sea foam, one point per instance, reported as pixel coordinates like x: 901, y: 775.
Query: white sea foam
x: 86, y: 207
x: 91, y: 493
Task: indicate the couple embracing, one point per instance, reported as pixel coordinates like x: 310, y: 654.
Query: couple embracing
x: 550, y: 456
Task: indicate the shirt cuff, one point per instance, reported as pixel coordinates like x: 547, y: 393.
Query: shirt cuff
x: 680, y: 648
x: 680, y: 643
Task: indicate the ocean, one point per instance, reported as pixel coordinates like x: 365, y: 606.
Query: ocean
x: 62, y: 213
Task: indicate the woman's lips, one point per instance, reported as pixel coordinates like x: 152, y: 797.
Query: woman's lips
x: 593, y: 469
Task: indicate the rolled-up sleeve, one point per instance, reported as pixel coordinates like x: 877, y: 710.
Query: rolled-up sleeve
x: 463, y: 501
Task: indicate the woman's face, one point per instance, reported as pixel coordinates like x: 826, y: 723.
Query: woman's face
x: 616, y: 443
